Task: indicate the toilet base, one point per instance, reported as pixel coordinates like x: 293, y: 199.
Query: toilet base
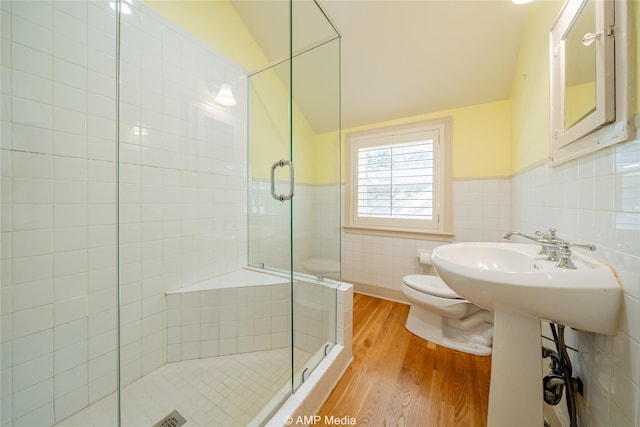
x: 433, y: 327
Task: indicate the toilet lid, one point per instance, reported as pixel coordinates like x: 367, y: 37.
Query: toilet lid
x: 431, y: 285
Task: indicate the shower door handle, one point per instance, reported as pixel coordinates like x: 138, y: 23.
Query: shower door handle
x: 292, y: 181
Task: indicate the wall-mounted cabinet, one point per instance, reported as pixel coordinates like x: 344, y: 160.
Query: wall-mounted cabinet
x: 590, y: 78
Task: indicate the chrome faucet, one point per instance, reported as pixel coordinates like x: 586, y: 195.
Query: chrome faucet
x: 548, y: 242
x: 517, y: 233
x: 544, y: 249
x: 565, y: 260
x: 540, y: 237
x: 552, y: 247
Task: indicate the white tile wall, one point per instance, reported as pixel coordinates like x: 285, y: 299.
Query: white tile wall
x: 182, y: 193
x: 595, y: 199
x: 224, y: 321
x: 481, y: 213
x: 316, y: 225
x: 314, y: 315
x: 219, y: 322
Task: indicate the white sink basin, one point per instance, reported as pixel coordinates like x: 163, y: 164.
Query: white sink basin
x: 522, y: 288
x: 513, y: 278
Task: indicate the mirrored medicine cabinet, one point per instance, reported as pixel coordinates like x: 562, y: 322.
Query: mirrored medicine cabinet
x: 589, y: 78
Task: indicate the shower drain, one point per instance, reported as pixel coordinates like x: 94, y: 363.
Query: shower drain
x: 174, y: 419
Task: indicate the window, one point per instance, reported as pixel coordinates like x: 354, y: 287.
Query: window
x: 398, y: 180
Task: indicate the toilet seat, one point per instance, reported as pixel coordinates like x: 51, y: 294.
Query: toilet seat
x: 431, y: 285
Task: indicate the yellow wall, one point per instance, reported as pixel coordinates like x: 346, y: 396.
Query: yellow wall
x: 481, y: 133
x: 268, y: 123
x: 481, y: 138
x: 303, y: 149
x: 530, y: 88
x: 579, y: 101
x: 327, y: 168
x: 495, y: 139
x: 634, y: 48
x: 216, y: 23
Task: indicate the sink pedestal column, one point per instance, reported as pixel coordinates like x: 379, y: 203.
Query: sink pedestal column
x: 515, y: 392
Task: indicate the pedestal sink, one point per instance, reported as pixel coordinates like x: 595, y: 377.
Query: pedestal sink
x: 521, y: 288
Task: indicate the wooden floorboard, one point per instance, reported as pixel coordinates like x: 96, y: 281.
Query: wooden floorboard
x: 398, y: 379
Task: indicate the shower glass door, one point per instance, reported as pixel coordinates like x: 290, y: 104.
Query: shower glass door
x: 269, y: 219
x: 269, y: 175
x: 270, y: 181
x: 294, y: 180
x: 315, y: 147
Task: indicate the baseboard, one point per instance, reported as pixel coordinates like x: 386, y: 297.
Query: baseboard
x: 378, y: 292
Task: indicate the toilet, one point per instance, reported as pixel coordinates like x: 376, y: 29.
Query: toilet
x: 439, y: 315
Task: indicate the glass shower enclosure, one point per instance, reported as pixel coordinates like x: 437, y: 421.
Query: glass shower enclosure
x: 170, y: 209
x: 294, y: 176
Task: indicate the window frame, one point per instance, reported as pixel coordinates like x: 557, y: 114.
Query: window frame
x: 441, y: 228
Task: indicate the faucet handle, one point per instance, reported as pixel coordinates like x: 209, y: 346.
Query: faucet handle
x: 550, y: 233
x: 545, y: 248
x: 564, y: 253
x: 589, y: 246
x: 562, y: 244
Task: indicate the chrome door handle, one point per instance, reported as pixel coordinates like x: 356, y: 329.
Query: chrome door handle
x: 282, y: 197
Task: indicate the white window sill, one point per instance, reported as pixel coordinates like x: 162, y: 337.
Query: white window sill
x: 405, y: 234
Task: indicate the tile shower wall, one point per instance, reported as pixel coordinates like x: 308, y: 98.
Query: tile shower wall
x: 182, y: 178
x: 596, y: 199
x: 269, y: 226
x: 182, y: 193
x: 58, y: 218
x: 316, y: 227
x: 481, y: 213
x: 314, y: 316
x: 220, y: 322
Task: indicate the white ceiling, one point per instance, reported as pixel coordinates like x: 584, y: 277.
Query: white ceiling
x: 404, y: 58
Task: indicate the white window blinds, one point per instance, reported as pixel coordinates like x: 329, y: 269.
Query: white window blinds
x: 396, y: 180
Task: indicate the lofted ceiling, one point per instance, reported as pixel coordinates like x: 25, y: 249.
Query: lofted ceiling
x: 405, y: 58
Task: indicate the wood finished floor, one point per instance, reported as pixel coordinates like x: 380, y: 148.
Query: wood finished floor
x: 398, y: 379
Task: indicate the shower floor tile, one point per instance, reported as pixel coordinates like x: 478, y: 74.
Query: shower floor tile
x: 217, y: 391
